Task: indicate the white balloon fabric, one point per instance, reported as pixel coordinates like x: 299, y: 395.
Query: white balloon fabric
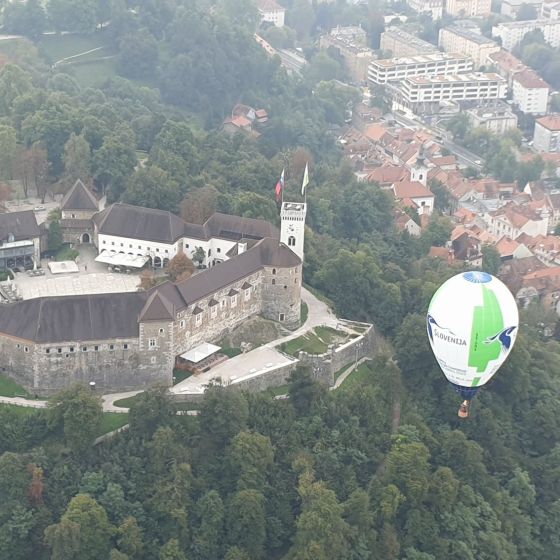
x: 472, y: 324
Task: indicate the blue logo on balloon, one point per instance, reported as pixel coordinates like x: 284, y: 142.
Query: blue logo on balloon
x: 477, y: 277
x: 504, y: 337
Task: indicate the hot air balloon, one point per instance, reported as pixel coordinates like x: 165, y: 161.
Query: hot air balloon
x: 472, y: 324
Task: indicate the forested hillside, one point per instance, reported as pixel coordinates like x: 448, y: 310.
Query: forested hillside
x: 380, y: 469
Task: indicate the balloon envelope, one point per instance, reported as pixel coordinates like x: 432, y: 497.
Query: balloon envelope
x: 472, y: 324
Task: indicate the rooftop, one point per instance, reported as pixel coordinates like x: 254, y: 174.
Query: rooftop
x: 22, y: 225
x: 419, y: 59
x: 269, y: 6
x: 457, y: 78
x: 469, y: 34
x: 411, y: 189
x: 530, y: 79
x: 552, y: 122
x: 79, y: 197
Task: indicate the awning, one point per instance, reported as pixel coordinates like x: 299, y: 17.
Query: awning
x: 200, y: 352
x: 121, y: 259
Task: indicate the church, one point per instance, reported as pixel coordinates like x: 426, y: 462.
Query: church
x: 127, y: 341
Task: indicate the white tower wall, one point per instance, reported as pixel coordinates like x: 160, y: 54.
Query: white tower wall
x: 292, y: 228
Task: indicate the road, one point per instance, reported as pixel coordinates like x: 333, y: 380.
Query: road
x: 464, y: 156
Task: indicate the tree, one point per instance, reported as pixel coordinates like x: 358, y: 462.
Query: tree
x: 198, y: 256
x: 442, y: 197
x: 7, y: 151
x: 207, y: 540
x: 79, y: 16
x: 138, y: 55
x: 491, y: 260
x: 77, y: 159
x: 180, y: 267
x: 253, y: 455
x: 152, y: 187
x: 55, y: 238
x: 305, y: 392
x: 27, y: 18
x: 40, y: 167
x: 83, y: 532
x: 130, y: 538
x: 13, y: 82
x: 78, y: 412
x: 199, y: 204
x: 246, y: 522
x: 323, y: 67
x: 153, y: 409
x: 171, y: 550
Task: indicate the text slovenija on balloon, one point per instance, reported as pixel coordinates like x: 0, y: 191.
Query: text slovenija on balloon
x: 472, y: 324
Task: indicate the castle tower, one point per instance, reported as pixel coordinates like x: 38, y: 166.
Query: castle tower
x: 419, y: 171
x: 292, y: 228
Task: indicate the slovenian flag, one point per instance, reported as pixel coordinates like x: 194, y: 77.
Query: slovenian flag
x: 280, y: 187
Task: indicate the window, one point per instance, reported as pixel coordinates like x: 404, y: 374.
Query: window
x: 291, y: 241
x: 166, y: 251
x: 104, y: 242
x: 223, y: 303
x: 18, y: 345
x: 209, y: 252
x: 26, y: 348
x: 71, y: 349
x: 122, y: 244
x: 273, y: 271
x: 111, y: 346
x: 273, y: 281
x: 219, y: 250
x: 125, y: 346
x: 112, y: 242
x: 152, y: 343
x: 153, y: 359
x: 198, y: 319
x: 47, y: 350
x: 84, y: 348
x: 234, y: 301
x: 96, y: 348
x: 157, y: 250
x: 130, y: 246
x: 73, y: 215
x: 59, y: 350
x: 161, y: 331
x: 281, y: 316
x: 295, y: 281
x: 139, y: 246
x: 182, y: 324
x: 187, y: 245
x: 213, y: 311
x: 247, y: 294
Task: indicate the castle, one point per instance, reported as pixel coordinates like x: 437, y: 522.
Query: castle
x: 126, y: 341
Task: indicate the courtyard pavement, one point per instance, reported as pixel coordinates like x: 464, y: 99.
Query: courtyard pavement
x: 92, y: 278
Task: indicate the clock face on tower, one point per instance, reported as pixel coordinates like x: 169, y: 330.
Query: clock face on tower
x: 291, y: 228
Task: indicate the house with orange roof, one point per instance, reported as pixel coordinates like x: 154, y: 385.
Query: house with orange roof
x: 443, y: 253
x: 542, y: 285
x: 448, y: 163
x: 415, y: 194
x: 464, y: 216
x: 513, y: 220
x: 386, y: 175
x: 545, y: 247
x: 404, y: 222
x: 510, y: 249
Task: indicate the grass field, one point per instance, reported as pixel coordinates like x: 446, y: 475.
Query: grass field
x: 128, y: 402
x: 280, y: 390
x: 93, y: 74
x: 328, y: 334
x: 55, y: 47
x: 308, y: 343
x: 20, y: 410
x: 357, y: 378
x: 112, y: 421
x: 9, y: 388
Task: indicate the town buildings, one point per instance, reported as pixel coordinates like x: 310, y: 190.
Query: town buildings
x: 432, y: 7
x: 415, y: 195
x: 423, y: 94
x: 510, y: 8
x: 20, y: 240
x: 468, y: 8
x: 395, y: 69
x: 512, y: 32
x: 350, y: 42
x: 400, y: 43
x: 271, y: 11
x: 505, y: 64
x: 547, y: 134
x: 465, y: 41
x: 530, y: 92
x: 497, y: 118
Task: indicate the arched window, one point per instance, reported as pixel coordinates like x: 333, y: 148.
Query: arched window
x: 273, y: 271
x: 273, y: 281
x: 291, y: 241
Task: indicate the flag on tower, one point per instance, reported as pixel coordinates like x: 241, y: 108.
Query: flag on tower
x: 305, y: 179
x: 280, y: 187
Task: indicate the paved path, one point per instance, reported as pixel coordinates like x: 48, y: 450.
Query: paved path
x: 19, y: 401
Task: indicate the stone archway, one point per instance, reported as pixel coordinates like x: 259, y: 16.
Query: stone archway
x: 157, y: 262
x: 86, y: 238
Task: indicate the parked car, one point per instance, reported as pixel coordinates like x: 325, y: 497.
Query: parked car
x: 39, y: 208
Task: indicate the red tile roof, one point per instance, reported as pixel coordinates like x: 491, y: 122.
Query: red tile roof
x: 530, y: 79
x: 411, y: 189
x: 552, y: 122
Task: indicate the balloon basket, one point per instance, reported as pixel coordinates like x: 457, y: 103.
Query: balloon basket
x: 463, y: 411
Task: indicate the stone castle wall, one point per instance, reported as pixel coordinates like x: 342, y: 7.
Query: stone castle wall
x: 281, y: 295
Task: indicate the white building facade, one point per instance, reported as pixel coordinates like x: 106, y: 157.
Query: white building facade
x: 271, y: 12
x: 530, y: 92
x: 459, y: 40
x: 513, y: 32
x: 547, y: 134
x: 395, y: 69
x: 468, y: 8
x: 432, y: 7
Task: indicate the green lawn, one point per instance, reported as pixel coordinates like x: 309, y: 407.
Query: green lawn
x: 20, y: 410
x: 231, y: 352
x: 180, y: 375
x: 328, y: 334
x: 308, y: 343
x: 56, y: 47
x: 93, y: 74
x: 112, y: 421
x: 358, y: 377
x: 280, y: 390
x: 304, y: 312
x: 128, y: 402
x: 9, y: 388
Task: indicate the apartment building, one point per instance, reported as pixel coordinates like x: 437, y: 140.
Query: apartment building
x: 546, y: 137
x: 468, y: 8
x: 530, y: 92
x: 505, y: 64
x: 400, y: 43
x: 350, y: 43
x: 550, y: 10
x: 423, y: 94
x: 432, y: 7
x: 511, y: 33
x: 460, y: 40
x: 396, y: 69
x: 497, y: 119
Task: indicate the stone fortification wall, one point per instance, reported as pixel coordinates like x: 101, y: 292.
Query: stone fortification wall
x: 281, y: 295
x: 324, y: 366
